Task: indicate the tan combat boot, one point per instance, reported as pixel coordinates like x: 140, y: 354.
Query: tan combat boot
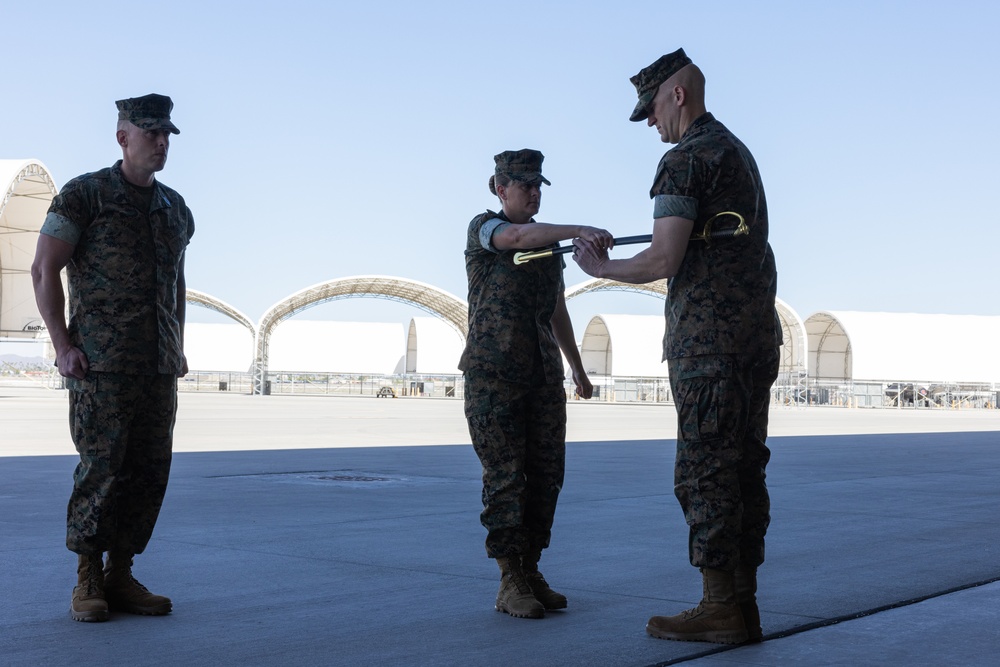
x: 88, y: 602
x: 539, y: 587
x: 124, y: 593
x: 515, y: 597
x: 745, y: 579
x: 716, y: 619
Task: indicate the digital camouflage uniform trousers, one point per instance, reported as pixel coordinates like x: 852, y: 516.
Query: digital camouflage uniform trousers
x: 122, y: 426
x: 722, y: 411
x: 519, y: 432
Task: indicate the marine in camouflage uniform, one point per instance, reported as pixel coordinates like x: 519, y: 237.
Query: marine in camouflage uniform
x: 121, y: 236
x: 721, y: 344
x: 515, y: 402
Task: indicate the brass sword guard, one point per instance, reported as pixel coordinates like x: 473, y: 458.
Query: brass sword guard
x: 706, y: 235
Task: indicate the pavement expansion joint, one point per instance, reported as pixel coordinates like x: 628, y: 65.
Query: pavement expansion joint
x: 350, y: 478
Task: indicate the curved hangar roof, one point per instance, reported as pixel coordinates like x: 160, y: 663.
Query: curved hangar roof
x: 27, y: 190
x: 850, y: 345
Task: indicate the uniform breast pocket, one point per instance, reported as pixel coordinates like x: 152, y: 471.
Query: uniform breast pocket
x: 171, y: 234
x: 175, y: 245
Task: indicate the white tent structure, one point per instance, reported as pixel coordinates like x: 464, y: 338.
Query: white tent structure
x: 448, y: 307
x: 794, y: 358
x: 872, y: 346
x: 433, y: 347
x: 624, y: 345
x: 337, y: 347
x: 27, y: 190
x: 218, y: 347
x: 793, y: 349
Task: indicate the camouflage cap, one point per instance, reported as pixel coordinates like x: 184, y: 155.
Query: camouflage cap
x: 149, y: 112
x: 524, y: 166
x: 648, y: 80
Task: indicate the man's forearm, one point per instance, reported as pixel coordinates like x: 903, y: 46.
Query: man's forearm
x: 51, y: 302
x: 181, y: 299
x: 643, y: 268
x: 181, y: 308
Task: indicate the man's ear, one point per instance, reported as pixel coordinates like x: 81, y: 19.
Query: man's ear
x: 122, y: 137
x: 680, y: 94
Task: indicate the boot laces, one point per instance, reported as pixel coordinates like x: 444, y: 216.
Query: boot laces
x: 133, y: 582
x: 91, y: 586
x: 93, y: 581
x: 536, y: 578
x: 517, y: 577
x: 124, y: 580
x: 694, y: 612
x: 128, y: 581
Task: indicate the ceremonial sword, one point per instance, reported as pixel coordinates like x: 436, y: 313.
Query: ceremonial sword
x: 707, y: 235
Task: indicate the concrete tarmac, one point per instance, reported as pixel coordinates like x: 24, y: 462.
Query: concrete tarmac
x: 345, y: 531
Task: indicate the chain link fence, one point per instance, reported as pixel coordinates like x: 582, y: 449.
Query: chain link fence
x: 787, y: 391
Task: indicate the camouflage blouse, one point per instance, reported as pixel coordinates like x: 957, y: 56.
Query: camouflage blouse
x: 510, y: 310
x: 722, y: 299
x: 124, y: 270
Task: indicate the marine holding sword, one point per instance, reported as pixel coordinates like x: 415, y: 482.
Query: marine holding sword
x: 721, y: 344
x: 515, y: 402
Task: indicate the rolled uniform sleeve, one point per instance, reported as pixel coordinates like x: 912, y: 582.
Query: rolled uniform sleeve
x: 62, y: 228
x: 666, y: 206
x: 69, y: 213
x: 488, y: 229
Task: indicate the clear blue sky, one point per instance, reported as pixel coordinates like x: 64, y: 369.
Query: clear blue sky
x: 327, y: 139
